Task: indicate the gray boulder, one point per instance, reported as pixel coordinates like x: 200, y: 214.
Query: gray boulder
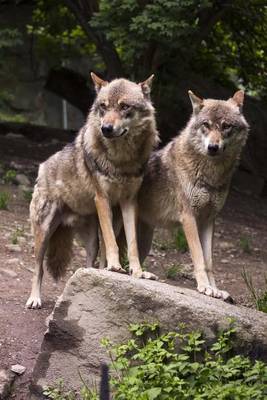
x: 98, y: 304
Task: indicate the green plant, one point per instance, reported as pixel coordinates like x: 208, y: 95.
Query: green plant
x: 245, y: 244
x: 173, y: 272
x: 176, y: 365
x: 180, y: 240
x: 16, y: 234
x: 27, y: 195
x: 153, y: 368
x: 4, y: 198
x: 259, y: 300
x: 10, y: 176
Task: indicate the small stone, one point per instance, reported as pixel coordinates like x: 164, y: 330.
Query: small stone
x: 225, y: 245
x: 22, y: 240
x: 224, y: 261
x: 9, y: 272
x: 13, y: 261
x: 18, y: 369
x: 13, y: 247
x: 22, y: 179
x: 12, y: 135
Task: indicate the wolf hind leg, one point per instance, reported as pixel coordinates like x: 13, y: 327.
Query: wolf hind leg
x: 206, y: 233
x: 144, y: 238
x: 88, y: 233
x: 42, y: 233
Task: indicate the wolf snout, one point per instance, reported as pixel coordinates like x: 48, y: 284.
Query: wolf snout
x: 107, y: 130
x: 213, y: 149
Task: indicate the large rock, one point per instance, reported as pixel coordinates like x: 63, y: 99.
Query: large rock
x: 98, y: 304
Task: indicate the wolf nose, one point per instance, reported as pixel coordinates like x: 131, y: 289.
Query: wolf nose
x: 107, y: 129
x: 213, y: 149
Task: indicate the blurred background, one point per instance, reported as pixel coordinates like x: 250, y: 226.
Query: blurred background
x: 213, y: 47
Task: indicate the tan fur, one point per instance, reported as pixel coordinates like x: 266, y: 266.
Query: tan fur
x: 91, y: 175
x: 185, y: 184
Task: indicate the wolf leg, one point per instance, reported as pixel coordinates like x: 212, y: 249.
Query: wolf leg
x: 129, y: 215
x: 105, y: 220
x: 206, y: 230
x: 42, y: 234
x: 191, y: 232
x: 144, y: 239
x: 88, y: 232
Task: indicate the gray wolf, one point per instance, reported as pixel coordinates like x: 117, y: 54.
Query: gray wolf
x: 187, y: 182
x: 80, y: 184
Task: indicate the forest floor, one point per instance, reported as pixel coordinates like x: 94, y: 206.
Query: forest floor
x: 240, y: 242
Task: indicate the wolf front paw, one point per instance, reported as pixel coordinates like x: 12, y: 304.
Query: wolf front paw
x: 34, y: 302
x: 116, y: 268
x: 138, y: 273
x: 214, y: 292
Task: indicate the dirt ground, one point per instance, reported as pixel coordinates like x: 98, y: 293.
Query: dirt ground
x: 240, y: 242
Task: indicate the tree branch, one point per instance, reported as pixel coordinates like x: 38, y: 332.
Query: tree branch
x: 83, y: 13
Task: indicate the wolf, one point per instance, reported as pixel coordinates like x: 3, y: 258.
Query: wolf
x: 79, y: 185
x: 188, y: 181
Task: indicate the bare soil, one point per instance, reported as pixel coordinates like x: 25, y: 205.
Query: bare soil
x: 240, y: 241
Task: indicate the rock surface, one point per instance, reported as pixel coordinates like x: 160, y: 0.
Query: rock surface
x: 6, y: 382
x: 99, y: 304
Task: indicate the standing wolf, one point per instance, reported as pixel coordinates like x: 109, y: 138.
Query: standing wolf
x: 188, y: 181
x: 104, y: 167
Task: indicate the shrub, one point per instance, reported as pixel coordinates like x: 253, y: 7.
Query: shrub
x: 180, y: 240
x: 4, y: 198
x: 150, y: 367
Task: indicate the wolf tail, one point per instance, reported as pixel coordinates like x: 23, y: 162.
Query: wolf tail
x: 59, y: 251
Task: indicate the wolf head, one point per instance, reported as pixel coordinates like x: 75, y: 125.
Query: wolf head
x: 218, y: 127
x: 121, y: 106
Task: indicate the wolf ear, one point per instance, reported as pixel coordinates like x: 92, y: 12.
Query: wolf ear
x: 197, y: 102
x: 98, y: 82
x: 146, y: 86
x: 238, y: 98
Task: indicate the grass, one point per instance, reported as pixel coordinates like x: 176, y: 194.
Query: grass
x: 10, y: 176
x: 260, y: 300
x: 175, y: 365
x: 245, y: 244
x: 173, y: 272
x: 180, y: 241
x: 4, y: 199
x: 16, y: 234
x: 27, y: 195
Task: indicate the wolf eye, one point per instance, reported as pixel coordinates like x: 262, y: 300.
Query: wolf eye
x: 226, y: 127
x: 103, y: 106
x: 124, y: 106
x: 205, y: 124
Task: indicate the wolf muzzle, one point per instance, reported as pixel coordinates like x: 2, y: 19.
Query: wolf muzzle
x: 110, y: 132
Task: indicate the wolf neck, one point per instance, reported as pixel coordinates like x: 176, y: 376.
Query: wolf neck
x: 129, y: 153
x: 212, y: 171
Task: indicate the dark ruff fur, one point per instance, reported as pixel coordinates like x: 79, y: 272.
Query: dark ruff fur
x: 89, y: 176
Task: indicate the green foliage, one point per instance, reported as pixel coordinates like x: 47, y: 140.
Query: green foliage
x: 57, y: 33
x: 19, y: 232
x: 10, y: 176
x: 27, y: 195
x: 180, y: 240
x: 176, y: 365
x: 173, y: 272
x: 245, y: 244
x: 152, y: 368
x: 4, y: 199
x: 259, y: 300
